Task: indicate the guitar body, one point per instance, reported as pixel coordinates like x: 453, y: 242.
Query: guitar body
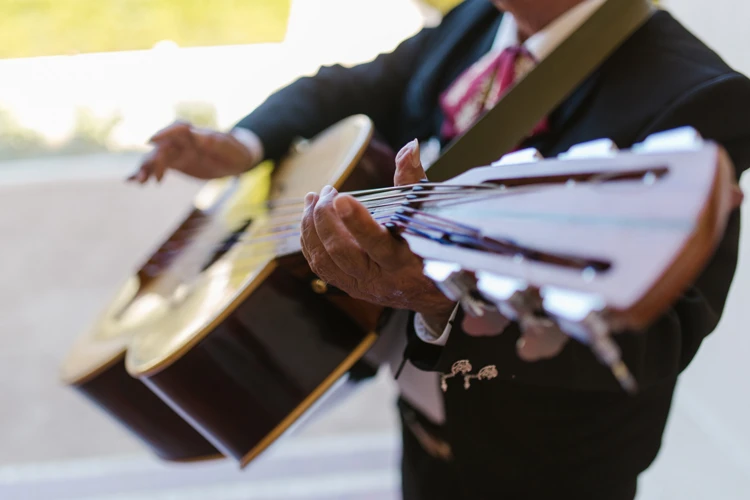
x: 206, y: 353
x: 149, y: 418
x: 264, y: 364
x: 95, y: 367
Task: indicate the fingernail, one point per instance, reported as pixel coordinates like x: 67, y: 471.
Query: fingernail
x: 521, y: 343
x: 327, y: 189
x: 416, y: 161
x: 343, y: 208
x: 309, y: 197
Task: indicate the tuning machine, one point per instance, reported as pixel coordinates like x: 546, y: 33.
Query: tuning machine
x: 458, y: 285
x: 515, y: 300
x: 679, y: 139
x: 528, y: 155
x: 585, y: 318
x: 600, y: 148
x: 510, y: 296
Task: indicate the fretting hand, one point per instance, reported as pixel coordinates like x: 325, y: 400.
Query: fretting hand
x: 199, y: 153
x: 347, y: 248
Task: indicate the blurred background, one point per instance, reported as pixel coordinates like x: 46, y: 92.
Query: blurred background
x: 83, y: 84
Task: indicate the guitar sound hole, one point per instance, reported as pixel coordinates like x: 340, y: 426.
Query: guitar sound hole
x: 227, y: 244
x: 160, y: 261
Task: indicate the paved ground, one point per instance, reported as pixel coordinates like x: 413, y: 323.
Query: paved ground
x: 67, y: 243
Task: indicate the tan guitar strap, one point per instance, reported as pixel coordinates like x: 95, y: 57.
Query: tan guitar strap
x: 543, y: 89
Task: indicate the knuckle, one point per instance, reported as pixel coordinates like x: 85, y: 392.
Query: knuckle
x: 321, y: 211
x: 335, y: 247
x: 317, y: 258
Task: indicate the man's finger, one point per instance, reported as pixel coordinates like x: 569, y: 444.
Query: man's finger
x: 373, y: 238
x: 177, y: 129
x: 167, y: 156
x: 408, y: 165
x: 313, y: 249
x: 310, y: 200
x: 338, y: 242
x: 146, y: 169
x: 160, y: 159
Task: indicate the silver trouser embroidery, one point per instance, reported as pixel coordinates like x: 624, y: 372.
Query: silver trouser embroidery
x: 463, y: 367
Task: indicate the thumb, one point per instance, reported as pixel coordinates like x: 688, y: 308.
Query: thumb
x: 408, y: 165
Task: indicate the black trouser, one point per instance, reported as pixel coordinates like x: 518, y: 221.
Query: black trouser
x: 427, y: 477
x: 424, y: 476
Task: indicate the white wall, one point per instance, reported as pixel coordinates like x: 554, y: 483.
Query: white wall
x: 707, y: 445
x: 722, y: 24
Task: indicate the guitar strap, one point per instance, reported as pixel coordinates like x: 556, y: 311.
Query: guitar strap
x: 543, y: 89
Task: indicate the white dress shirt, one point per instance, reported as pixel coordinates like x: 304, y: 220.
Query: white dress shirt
x: 422, y: 389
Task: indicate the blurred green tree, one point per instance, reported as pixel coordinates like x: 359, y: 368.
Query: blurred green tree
x: 91, y: 132
x: 199, y: 113
x: 53, y: 27
x: 442, y: 5
x: 16, y: 140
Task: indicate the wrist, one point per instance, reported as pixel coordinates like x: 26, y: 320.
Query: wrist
x: 251, y: 142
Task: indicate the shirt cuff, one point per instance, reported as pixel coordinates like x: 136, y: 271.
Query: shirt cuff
x: 428, y: 335
x: 251, y: 141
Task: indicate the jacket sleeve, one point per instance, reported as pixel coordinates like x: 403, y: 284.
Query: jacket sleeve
x: 311, y: 104
x: 718, y: 110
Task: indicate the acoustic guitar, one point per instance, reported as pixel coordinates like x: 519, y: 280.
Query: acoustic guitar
x: 224, y: 338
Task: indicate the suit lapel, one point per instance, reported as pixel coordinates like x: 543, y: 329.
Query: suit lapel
x: 471, y: 26
x: 560, y: 118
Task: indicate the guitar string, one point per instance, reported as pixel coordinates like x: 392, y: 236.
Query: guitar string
x: 393, y: 193
x: 443, y: 198
x: 398, y: 192
x: 270, y: 223
x: 246, y: 244
x: 290, y: 227
x: 289, y: 243
x: 380, y: 211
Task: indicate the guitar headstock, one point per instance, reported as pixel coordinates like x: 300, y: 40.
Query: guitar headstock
x: 594, y: 241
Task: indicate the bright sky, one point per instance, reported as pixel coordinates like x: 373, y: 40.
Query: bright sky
x: 144, y: 86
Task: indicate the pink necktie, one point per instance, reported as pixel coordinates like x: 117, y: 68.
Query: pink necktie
x: 479, y: 88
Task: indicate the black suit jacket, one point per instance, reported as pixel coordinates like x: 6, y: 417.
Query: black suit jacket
x: 564, y: 416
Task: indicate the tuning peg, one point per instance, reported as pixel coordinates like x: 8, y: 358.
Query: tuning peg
x: 571, y: 309
x: 679, y: 139
x: 601, y: 148
x: 518, y: 302
x: 508, y: 295
x: 445, y: 275
x: 584, y: 318
x: 528, y: 155
x: 457, y: 285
